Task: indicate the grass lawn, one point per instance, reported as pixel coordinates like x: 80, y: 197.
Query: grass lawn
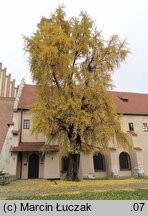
x: 140, y: 194
x: 113, y: 189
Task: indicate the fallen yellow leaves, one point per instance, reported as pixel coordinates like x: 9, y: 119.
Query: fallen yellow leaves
x: 40, y: 187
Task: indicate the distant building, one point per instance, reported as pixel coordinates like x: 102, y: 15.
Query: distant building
x: 8, y: 93
x: 25, y: 159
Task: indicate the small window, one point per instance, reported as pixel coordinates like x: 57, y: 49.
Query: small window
x: 131, y: 126
x: 26, y: 124
x: 99, y: 162
x: 124, y: 99
x: 124, y: 160
x: 145, y: 127
x: 65, y: 162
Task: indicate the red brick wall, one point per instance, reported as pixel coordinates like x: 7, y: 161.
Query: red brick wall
x: 6, y: 113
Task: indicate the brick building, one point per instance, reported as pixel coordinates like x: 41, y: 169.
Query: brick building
x: 8, y: 93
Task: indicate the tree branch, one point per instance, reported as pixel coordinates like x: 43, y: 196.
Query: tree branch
x: 56, y: 80
x: 74, y: 61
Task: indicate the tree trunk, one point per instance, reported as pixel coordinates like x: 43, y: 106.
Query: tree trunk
x: 73, y: 168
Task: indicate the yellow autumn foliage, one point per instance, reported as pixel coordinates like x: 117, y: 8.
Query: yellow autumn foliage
x: 71, y: 65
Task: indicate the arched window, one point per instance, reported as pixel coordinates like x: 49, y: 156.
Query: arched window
x: 65, y: 162
x: 99, y: 162
x: 125, y: 161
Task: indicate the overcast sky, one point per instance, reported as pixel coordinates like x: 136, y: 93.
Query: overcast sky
x: 127, y: 18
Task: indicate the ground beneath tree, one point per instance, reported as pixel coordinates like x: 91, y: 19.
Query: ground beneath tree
x: 47, y: 187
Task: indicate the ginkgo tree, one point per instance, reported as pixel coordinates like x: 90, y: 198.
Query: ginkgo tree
x: 71, y: 65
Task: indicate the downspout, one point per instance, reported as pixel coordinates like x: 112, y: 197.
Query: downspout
x: 21, y: 126
x: 20, y: 140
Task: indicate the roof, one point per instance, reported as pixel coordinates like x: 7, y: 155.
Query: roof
x: 6, y: 114
x: 131, y: 103
x: 27, y: 97
x: 32, y: 146
x: 126, y: 102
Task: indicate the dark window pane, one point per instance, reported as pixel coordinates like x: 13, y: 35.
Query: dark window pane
x: 26, y: 124
x: 124, y: 160
x: 99, y: 162
x: 131, y: 126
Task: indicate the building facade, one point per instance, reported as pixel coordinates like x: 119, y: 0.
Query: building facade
x: 20, y: 151
x: 26, y: 160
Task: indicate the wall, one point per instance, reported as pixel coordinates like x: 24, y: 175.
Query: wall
x: 139, y: 141
x: 50, y: 167
x: 27, y: 136
x: 5, y: 153
x: 6, y: 114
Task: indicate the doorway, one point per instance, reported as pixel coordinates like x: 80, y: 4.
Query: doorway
x: 33, y: 170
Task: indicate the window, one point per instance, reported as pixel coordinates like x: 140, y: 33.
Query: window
x: 124, y: 99
x: 145, y: 127
x: 131, y: 126
x: 26, y: 124
x: 65, y: 162
x: 99, y: 162
x: 124, y: 160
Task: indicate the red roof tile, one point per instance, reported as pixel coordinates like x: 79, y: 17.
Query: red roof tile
x: 137, y: 103
x: 138, y: 148
x: 32, y: 146
x: 15, y: 132
x: 126, y: 102
x: 27, y: 97
x: 132, y: 133
x: 112, y: 149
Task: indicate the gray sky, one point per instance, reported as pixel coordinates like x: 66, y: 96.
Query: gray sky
x: 127, y: 18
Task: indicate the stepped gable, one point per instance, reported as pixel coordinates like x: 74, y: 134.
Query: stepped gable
x: 7, y: 86
x: 126, y: 102
x: 8, y: 93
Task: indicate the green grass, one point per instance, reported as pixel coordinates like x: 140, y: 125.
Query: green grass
x: 139, y: 194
